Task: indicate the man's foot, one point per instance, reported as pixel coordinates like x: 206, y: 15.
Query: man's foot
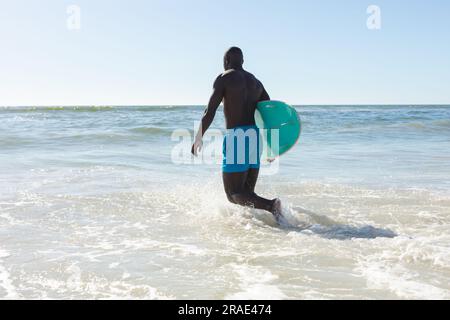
x: 277, y: 211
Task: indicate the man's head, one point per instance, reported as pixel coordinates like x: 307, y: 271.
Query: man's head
x: 233, y: 59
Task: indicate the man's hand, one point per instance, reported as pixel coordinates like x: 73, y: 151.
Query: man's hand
x: 197, y: 146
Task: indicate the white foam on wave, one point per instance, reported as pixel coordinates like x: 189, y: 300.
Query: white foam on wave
x: 84, y: 285
x: 175, y: 248
x: 256, y: 283
x: 401, y: 282
x: 410, y: 268
x: 102, y: 241
x: 6, y: 283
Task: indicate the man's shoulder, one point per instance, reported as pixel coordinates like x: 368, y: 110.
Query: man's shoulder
x: 249, y: 74
x: 233, y: 74
x: 252, y: 77
x: 227, y: 77
x: 222, y: 77
x: 228, y: 74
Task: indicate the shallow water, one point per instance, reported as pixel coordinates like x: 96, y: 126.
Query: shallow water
x: 91, y: 206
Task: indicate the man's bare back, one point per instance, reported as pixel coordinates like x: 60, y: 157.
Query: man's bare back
x: 242, y: 92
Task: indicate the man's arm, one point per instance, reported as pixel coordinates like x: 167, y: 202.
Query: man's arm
x: 214, y: 102
x: 264, y: 95
x: 210, y: 112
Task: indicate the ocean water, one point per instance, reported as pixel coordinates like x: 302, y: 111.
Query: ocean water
x: 93, y: 206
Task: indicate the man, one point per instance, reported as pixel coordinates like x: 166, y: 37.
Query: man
x: 240, y: 92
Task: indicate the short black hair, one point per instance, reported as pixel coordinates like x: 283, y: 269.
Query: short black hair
x: 235, y: 56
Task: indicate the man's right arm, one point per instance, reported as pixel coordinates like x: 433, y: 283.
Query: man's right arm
x: 214, y: 102
x: 210, y: 112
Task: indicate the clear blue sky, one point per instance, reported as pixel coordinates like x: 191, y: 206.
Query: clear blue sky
x: 169, y: 51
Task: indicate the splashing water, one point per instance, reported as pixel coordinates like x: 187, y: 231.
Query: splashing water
x: 91, y: 207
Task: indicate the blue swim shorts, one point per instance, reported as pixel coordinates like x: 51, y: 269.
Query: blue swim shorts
x: 241, y: 149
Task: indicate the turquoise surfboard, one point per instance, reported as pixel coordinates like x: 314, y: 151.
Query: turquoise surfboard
x: 278, y: 115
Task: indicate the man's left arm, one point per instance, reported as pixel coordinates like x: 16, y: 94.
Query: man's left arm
x: 264, y: 95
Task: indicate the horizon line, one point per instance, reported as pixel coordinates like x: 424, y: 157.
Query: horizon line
x: 203, y: 105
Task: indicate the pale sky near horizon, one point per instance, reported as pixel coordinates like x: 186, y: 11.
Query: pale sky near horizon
x: 169, y: 52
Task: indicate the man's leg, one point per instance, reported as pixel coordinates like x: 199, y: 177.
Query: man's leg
x: 239, y: 189
x: 252, y: 178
